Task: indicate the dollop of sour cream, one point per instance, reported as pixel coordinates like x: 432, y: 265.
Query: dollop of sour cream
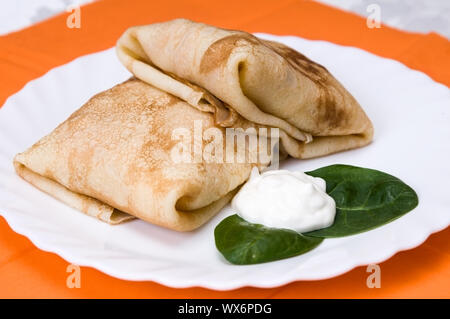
x: 285, y: 199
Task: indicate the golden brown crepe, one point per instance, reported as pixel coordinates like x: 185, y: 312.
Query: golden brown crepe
x: 228, y: 72
x: 111, y: 159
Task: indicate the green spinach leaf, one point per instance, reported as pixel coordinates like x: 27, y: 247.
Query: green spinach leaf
x: 242, y: 243
x: 365, y: 199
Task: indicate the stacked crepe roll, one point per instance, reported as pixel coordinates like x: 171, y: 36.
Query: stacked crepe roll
x: 111, y: 159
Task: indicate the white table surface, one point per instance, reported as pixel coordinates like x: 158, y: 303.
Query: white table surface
x: 411, y: 15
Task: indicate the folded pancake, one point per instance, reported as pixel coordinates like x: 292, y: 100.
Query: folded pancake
x: 234, y: 74
x: 112, y: 159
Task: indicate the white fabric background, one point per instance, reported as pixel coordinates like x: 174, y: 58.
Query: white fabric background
x: 413, y: 15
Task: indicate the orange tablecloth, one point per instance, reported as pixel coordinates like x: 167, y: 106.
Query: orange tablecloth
x: 26, y: 271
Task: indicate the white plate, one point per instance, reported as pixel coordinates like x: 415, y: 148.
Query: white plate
x: 411, y: 115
